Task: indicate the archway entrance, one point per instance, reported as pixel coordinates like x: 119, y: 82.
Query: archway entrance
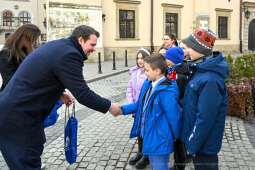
x: 251, y: 36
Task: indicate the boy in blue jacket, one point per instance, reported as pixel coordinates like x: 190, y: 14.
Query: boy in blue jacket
x: 157, y: 118
x: 205, y: 101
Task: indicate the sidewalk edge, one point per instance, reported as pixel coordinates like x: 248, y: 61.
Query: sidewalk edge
x: 106, y: 76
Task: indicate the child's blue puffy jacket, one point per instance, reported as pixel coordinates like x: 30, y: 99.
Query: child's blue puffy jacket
x: 162, y: 119
x: 205, y: 105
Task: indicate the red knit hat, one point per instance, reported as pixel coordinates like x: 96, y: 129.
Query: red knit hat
x: 201, y: 40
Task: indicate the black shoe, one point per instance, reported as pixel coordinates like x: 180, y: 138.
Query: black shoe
x: 142, y: 163
x: 135, y: 158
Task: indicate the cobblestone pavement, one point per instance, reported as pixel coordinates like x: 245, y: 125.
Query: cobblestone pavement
x: 250, y: 130
x: 103, y: 140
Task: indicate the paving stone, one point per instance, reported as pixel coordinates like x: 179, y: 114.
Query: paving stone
x: 83, y: 164
x: 91, y: 166
x: 112, y: 162
x: 103, y: 140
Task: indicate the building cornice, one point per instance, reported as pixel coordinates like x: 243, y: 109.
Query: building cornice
x: 73, y: 5
x: 223, y: 10
x: 127, y: 1
x: 249, y: 4
x: 172, y: 5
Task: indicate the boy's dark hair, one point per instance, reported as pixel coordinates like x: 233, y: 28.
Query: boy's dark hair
x: 84, y: 31
x: 157, y: 61
x: 162, y: 47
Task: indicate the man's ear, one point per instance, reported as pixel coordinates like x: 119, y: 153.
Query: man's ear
x: 80, y: 40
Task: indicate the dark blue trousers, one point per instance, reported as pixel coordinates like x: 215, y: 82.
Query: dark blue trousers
x: 205, y: 162
x: 20, y: 157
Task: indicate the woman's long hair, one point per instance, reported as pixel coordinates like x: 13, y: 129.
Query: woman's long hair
x: 21, y: 42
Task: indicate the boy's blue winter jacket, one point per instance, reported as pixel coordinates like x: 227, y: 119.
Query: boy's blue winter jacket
x: 205, y: 105
x: 162, y: 119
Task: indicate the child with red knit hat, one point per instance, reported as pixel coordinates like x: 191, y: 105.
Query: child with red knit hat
x: 205, y: 100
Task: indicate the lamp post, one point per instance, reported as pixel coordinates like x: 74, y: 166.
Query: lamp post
x: 247, y: 14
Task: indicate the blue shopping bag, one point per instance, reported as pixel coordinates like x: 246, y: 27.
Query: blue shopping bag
x: 71, y: 128
x: 53, y: 117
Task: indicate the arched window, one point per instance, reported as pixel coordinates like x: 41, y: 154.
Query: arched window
x: 24, y: 18
x: 8, y: 19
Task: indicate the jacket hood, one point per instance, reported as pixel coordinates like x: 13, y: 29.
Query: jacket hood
x: 216, y: 64
x: 78, y: 47
x: 165, y: 84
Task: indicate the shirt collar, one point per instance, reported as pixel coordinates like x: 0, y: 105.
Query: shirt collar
x: 78, y: 46
x: 156, y: 82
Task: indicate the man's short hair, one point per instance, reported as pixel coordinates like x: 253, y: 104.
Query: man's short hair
x: 84, y: 31
x: 156, y: 61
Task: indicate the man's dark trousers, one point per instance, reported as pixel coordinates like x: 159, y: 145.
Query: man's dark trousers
x: 205, y: 162
x: 20, y: 157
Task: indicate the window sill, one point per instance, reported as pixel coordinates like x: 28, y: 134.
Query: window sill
x: 127, y: 39
x: 223, y: 39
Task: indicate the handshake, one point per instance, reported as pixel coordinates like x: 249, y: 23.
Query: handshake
x: 115, y: 109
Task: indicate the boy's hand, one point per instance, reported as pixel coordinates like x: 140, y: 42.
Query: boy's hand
x: 115, y: 109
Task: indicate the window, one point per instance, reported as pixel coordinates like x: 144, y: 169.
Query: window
x: 8, y: 18
x: 171, y: 24
x: 223, y: 27
x: 7, y: 35
x: 43, y: 37
x: 127, y: 23
x: 24, y: 18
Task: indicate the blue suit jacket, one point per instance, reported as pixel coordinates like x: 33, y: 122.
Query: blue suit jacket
x: 36, y: 87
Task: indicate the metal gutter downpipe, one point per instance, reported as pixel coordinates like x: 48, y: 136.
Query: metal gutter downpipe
x: 241, y: 26
x: 151, y: 34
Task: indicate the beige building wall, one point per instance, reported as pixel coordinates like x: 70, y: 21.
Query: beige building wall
x: 192, y: 14
x: 34, y: 7
x: 112, y: 42
x: 65, y: 15
x: 84, y: 2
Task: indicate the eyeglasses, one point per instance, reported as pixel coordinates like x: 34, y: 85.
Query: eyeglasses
x: 165, y: 39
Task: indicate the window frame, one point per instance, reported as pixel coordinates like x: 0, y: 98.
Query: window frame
x: 8, y: 19
x: 127, y: 22
x: 223, y: 13
x: 222, y: 27
x: 172, y: 8
x: 127, y: 6
x: 175, y: 22
x: 24, y: 20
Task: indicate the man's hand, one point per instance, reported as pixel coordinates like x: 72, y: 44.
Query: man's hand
x: 67, y: 99
x: 115, y: 109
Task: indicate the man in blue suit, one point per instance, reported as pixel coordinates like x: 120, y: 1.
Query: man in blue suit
x: 35, y: 88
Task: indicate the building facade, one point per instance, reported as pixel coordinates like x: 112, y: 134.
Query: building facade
x: 129, y: 23
x: 65, y: 15
x: 15, y: 13
x: 248, y: 26
x: 132, y: 24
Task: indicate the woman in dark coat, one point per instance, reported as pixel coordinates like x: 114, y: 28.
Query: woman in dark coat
x: 16, y: 48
